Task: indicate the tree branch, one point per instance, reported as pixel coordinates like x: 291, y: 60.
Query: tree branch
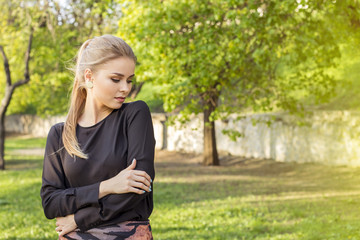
x: 136, y: 89
x: 6, y: 66
x: 27, y: 60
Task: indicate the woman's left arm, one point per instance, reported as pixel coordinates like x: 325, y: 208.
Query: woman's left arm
x: 141, y: 146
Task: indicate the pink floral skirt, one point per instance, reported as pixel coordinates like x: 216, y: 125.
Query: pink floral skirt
x: 129, y: 230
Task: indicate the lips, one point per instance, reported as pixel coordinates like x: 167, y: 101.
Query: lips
x: 120, y: 99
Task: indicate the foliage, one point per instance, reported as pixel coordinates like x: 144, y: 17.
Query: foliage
x: 57, y: 38
x: 345, y: 22
x: 159, y: 27
x: 249, y: 199
x: 219, y: 57
x: 260, y: 55
x: 150, y: 94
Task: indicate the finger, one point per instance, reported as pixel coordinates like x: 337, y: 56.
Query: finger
x: 60, y: 237
x: 142, y: 180
x: 136, y: 190
x: 64, y: 231
x: 58, y: 229
x: 143, y: 174
x: 141, y: 186
x: 132, y: 165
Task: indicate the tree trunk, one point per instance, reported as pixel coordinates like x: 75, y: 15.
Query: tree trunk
x: 210, y: 151
x: 2, y: 142
x: 3, y: 107
x: 136, y: 89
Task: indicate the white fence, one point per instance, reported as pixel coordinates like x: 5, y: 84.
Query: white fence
x: 329, y: 137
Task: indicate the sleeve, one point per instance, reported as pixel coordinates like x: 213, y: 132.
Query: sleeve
x: 57, y: 200
x: 141, y: 145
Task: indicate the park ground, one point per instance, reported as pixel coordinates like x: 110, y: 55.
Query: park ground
x: 241, y: 199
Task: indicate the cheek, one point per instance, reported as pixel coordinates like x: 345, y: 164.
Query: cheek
x: 106, y: 88
x: 129, y: 87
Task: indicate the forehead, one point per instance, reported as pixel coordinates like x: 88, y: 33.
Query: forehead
x: 122, y: 65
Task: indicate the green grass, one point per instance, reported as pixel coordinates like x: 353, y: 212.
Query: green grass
x: 24, y: 143
x: 242, y: 199
x: 256, y: 200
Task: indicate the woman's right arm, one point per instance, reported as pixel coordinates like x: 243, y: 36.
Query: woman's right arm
x: 57, y: 200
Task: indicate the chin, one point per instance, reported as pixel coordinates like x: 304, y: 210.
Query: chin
x: 116, y: 106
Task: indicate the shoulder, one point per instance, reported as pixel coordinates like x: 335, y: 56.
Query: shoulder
x: 54, y: 139
x: 58, y: 127
x: 56, y: 130
x: 137, y: 110
x: 134, y: 107
x: 139, y: 105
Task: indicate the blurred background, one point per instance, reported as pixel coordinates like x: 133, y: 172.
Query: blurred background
x: 255, y: 86
x: 307, y: 50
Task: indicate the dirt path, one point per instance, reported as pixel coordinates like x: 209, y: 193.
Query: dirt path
x: 29, y: 152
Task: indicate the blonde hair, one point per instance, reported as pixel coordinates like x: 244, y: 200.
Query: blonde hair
x: 91, y: 54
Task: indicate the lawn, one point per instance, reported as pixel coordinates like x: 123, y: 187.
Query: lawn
x: 242, y: 199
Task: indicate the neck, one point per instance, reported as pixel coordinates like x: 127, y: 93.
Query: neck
x: 93, y: 113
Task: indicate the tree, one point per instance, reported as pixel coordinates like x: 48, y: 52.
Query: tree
x: 9, y: 90
x: 220, y: 57
x: 13, y: 18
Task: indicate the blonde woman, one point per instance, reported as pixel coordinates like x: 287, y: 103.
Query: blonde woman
x: 99, y: 164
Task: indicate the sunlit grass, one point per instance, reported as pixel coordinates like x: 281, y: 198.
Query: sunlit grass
x: 21, y: 215
x: 24, y: 143
x: 243, y: 199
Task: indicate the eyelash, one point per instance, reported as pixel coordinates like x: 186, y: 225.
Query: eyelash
x: 117, y: 80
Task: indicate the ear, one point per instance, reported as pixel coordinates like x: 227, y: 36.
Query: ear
x: 87, y: 75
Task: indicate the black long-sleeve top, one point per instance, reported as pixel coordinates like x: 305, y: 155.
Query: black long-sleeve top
x: 71, y: 185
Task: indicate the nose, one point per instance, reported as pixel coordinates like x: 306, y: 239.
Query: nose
x: 124, y: 86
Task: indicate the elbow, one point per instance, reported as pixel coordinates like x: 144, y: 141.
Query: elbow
x: 48, y: 210
x: 48, y: 214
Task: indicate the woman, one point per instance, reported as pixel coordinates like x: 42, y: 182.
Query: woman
x: 99, y: 164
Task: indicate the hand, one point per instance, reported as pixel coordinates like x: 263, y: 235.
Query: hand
x: 128, y: 180
x: 65, y: 225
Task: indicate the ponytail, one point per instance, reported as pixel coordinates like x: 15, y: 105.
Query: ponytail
x: 77, y: 104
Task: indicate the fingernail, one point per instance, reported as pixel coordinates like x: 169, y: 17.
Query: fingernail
x: 143, y: 191
x: 150, y: 180
x: 150, y: 188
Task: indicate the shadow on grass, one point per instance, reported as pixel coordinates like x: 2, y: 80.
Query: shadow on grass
x: 21, y: 163
x: 183, y: 179
x: 173, y: 195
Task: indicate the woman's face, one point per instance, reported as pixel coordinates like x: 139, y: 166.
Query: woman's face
x: 112, y: 83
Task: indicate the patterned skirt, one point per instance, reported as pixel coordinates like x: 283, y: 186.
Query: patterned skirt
x: 130, y: 230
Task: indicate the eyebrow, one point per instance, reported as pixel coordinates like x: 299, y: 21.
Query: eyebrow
x: 122, y: 75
